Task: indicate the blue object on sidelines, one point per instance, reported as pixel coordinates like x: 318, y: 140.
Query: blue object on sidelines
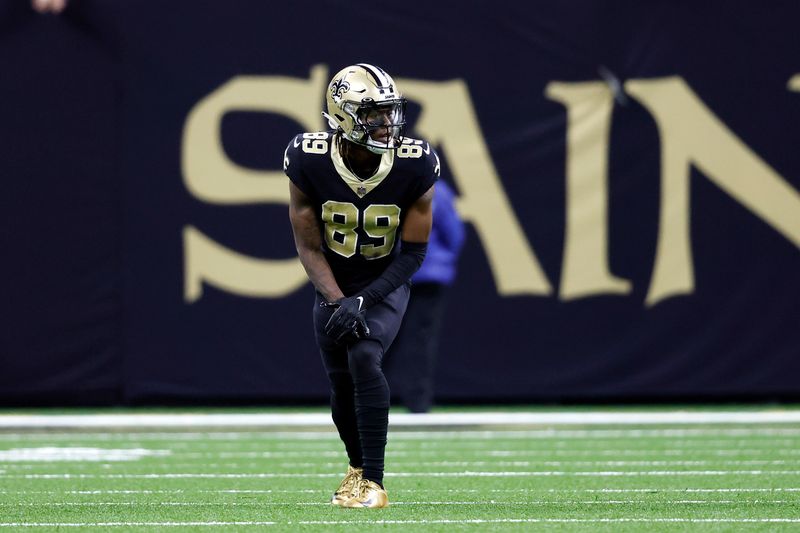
x: 445, y: 242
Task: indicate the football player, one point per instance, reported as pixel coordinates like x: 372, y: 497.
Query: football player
x: 360, y: 209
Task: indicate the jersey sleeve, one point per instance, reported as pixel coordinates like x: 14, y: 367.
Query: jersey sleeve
x: 293, y: 165
x: 431, y: 168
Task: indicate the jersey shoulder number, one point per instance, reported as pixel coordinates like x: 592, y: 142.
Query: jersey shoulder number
x: 421, y: 150
x: 314, y: 143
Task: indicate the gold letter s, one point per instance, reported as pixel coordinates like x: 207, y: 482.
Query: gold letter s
x: 212, y: 177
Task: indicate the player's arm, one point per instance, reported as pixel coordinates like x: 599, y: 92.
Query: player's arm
x: 415, y: 232
x: 417, y: 225
x: 308, y: 241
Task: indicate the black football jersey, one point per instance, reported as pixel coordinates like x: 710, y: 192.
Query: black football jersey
x: 360, y: 219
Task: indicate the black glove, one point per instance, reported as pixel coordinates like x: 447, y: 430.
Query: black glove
x: 349, y: 319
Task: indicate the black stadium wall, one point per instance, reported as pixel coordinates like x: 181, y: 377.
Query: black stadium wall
x: 629, y: 172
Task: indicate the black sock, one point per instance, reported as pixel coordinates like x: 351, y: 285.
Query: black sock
x: 343, y: 411
x: 372, y: 413
x: 381, y: 484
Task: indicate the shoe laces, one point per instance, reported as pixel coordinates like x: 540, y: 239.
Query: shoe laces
x: 360, y: 488
x: 350, y: 479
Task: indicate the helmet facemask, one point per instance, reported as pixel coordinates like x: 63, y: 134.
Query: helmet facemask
x: 377, y: 126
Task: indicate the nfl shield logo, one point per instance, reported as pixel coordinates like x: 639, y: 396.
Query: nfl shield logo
x: 361, y: 190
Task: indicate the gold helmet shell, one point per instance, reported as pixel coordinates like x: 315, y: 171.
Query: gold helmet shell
x: 365, y: 105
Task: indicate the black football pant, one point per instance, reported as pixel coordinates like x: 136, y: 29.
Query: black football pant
x: 359, y: 391
x: 411, y: 362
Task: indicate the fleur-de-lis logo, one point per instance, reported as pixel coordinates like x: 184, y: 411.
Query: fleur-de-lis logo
x: 339, y: 87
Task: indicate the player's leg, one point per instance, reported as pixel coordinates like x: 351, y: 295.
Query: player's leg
x: 392, y: 360
x: 372, y: 392
x: 371, y: 404
x: 343, y: 411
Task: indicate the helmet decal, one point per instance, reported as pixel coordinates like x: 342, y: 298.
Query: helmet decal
x: 339, y: 87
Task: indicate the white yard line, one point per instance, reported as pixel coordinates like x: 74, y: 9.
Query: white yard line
x: 776, y: 520
x: 559, y: 521
x: 488, y: 501
x: 399, y: 419
x: 542, y: 473
x: 133, y: 524
x: 316, y: 436
x: 491, y: 453
x: 22, y: 465
x: 401, y: 502
x: 417, y: 454
x: 652, y: 490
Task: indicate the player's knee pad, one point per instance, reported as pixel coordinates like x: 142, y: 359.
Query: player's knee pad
x: 364, y: 358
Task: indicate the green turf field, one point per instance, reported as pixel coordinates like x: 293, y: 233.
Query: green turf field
x: 698, y: 477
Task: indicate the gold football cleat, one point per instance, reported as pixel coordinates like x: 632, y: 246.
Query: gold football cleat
x: 344, y: 492
x: 367, y: 493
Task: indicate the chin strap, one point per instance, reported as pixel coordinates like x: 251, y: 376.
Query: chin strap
x: 331, y: 121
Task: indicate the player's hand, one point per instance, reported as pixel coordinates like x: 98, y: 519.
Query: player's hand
x: 349, y: 319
